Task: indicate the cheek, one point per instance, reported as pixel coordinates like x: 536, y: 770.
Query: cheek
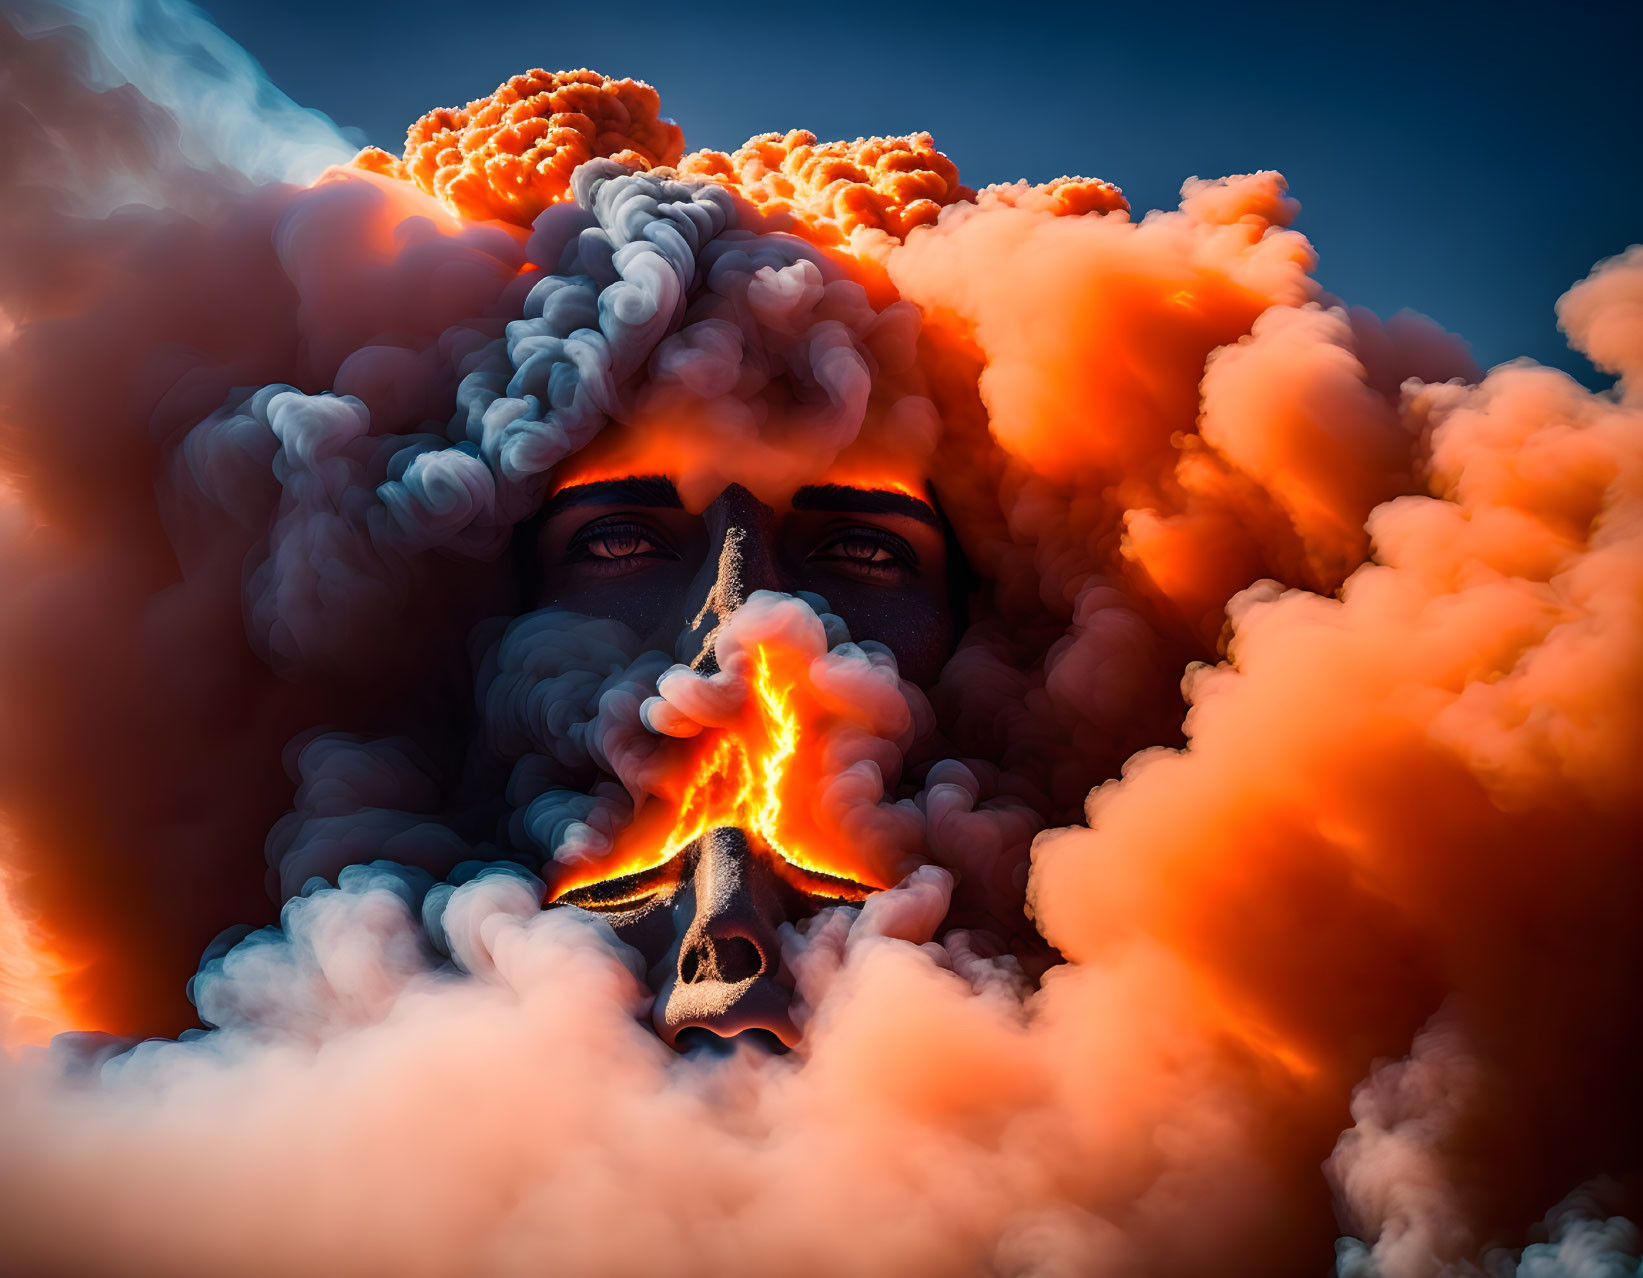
x: 917, y: 628
x: 655, y: 934
x: 644, y: 601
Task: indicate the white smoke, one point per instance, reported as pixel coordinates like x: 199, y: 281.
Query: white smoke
x: 228, y: 111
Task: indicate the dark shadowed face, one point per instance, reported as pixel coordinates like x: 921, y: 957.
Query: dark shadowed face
x: 627, y: 549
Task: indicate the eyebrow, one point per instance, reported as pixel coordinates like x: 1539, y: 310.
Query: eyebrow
x: 865, y: 501
x: 635, y: 490
x: 659, y: 491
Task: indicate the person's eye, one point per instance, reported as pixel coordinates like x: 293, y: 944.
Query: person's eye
x: 609, y: 545
x: 866, y: 552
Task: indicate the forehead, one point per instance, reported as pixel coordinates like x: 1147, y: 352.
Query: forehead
x: 700, y: 463
x: 658, y: 492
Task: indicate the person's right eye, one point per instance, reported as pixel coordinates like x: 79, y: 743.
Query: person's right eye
x: 618, y: 545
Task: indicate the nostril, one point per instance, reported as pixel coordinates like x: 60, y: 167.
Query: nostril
x: 738, y: 958
x: 731, y: 959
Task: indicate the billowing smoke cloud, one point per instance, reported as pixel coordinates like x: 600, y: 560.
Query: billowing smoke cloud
x: 221, y: 106
x: 1349, y: 932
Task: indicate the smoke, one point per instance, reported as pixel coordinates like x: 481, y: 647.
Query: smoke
x: 1311, y: 655
x: 224, y: 109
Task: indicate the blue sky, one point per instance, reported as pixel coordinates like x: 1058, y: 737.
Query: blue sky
x: 1469, y: 162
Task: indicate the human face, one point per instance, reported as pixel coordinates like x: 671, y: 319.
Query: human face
x: 627, y: 548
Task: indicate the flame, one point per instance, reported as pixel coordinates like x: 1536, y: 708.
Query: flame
x: 752, y: 777
x: 746, y: 781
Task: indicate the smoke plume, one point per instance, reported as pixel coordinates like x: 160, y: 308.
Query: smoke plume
x: 1253, y: 890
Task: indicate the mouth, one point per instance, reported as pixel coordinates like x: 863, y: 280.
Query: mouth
x: 703, y: 1043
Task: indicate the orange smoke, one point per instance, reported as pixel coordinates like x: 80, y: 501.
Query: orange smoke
x: 834, y: 189
x: 1405, y: 600
x: 1194, y: 406
x: 510, y: 155
x: 33, y: 1002
x: 1062, y: 196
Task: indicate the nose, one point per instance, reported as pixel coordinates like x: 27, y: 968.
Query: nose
x: 741, y: 558
x: 725, y: 978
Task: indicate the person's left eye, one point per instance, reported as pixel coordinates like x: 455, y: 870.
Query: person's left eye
x: 863, y: 551
x: 619, y: 545
x: 866, y: 551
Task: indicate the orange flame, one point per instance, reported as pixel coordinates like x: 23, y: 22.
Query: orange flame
x: 745, y: 781
x: 740, y: 786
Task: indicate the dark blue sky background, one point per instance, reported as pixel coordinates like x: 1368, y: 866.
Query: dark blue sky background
x: 1467, y: 161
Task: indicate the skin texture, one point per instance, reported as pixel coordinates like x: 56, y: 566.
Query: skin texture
x: 627, y: 549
